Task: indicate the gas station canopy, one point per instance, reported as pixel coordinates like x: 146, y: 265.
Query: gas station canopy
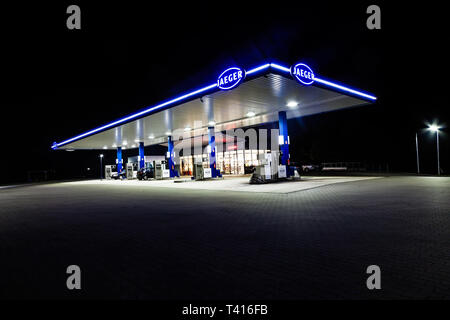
x: 255, y: 99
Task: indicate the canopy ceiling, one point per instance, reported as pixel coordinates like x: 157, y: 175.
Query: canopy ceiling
x: 264, y: 96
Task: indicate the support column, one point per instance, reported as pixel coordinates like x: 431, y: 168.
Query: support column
x: 141, y: 155
x: 119, y: 160
x: 209, y: 110
x: 212, y: 151
x: 284, y: 138
x: 170, y: 156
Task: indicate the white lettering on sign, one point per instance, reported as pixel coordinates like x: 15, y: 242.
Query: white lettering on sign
x: 230, y: 78
x: 303, y: 74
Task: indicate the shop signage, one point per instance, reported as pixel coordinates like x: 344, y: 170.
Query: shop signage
x: 207, y: 173
x: 302, y: 73
x: 230, y: 78
x: 282, y: 171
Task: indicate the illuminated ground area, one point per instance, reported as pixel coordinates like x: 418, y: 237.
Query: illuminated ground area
x: 229, y: 184
x: 136, y: 241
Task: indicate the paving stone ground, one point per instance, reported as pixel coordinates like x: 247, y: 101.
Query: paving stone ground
x: 162, y: 243
x: 236, y: 183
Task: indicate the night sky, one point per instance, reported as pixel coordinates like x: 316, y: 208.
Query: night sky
x: 58, y: 82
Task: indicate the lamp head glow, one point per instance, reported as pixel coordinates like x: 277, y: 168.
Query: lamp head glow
x: 133, y: 146
x: 168, y: 133
x: 433, y: 128
x: 105, y: 147
x: 292, y: 104
x: 250, y: 114
x: 101, y: 155
x: 212, y: 123
x: 187, y: 129
x: 125, y: 143
x: 151, y: 136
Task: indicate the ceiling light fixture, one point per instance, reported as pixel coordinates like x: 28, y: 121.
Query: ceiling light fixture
x: 292, y: 104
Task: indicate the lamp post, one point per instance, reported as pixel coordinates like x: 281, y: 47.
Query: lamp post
x: 435, y: 128
x: 417, y: 155
x: 101, y: 166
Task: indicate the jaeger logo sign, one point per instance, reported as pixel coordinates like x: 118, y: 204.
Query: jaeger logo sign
x: 303, y: 74
x: 230, y: 78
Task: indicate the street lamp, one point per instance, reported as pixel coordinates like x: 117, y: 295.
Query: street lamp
x: 435, y: 128
x: 417, y: 155
x: 101, y: 166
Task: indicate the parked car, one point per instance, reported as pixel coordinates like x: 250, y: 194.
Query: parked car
x: 249, y: 169
x: 117, y: 176
x: 145, y: 173
x: 311, y: 168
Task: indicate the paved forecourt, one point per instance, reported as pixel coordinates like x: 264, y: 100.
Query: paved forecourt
x: 137, y: 241
x: 229, y: 184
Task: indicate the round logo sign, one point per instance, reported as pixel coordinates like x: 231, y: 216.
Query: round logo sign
x: 230, y: 78
x: 303, y: 74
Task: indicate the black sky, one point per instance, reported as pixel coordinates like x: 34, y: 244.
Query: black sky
x: 59, y: 82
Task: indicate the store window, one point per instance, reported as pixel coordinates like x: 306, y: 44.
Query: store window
x: 228, y: 162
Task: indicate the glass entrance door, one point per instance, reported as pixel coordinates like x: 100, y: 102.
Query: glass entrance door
x: 233, y: 162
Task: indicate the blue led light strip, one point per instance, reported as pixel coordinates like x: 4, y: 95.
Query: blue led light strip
x: 281, y: 68
x: 135, y: 115
x: 328, y: 83
x: 342, y: 88
x: 255, y: 70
